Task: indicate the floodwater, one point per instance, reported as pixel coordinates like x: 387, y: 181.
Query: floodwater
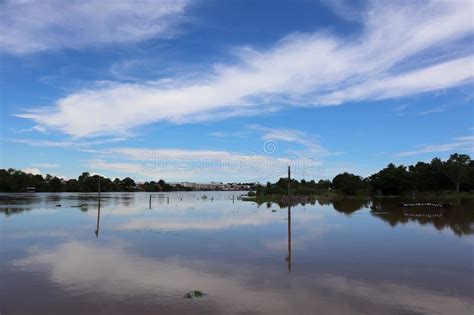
x: 344, y: 257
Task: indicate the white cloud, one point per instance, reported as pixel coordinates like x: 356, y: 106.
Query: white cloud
x: 34, y: 25
x: 310, y: 143
x: 312, y: 147
x: 62, y: 143
x: 465, y: 144
x: 217, y: 165
x: 343, y: 9
x: 439, y: 76
x: 316, y: 69
x: 32, y: 170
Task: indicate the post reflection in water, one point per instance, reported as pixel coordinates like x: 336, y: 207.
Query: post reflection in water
x: 288, y: 258
x: 98, y: 220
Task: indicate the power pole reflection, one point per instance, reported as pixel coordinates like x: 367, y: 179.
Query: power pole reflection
x: 98, y: 211
x: 288, y: 258
x: 98, y: 221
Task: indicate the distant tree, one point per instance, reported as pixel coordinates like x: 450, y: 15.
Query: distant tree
x: 73, y: 185
x: 348, y: 184
x: 426, y: 177
x: 127, y: 182
x: 456, y: 168
x: 55, y: 184
x: 84, y: 176
x: 469, y: 183
x: 324, y: 184
x: 391, y: 180
x: 455, y: 173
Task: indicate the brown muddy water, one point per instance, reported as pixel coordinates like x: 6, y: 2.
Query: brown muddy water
x: 344, y: 257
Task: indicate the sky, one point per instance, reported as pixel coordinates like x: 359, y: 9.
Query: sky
x: 233, y: 90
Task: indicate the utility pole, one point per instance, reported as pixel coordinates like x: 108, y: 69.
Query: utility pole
x: 289, y: 180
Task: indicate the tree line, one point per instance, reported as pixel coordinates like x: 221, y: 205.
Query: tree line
x: 454, y: 174
x: 12, y: 180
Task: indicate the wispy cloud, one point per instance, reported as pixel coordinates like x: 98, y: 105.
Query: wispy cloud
x: 343, y: 9
x: 318, y: 69
x: 62, y: 143
x: 457, y: 144
x: 46, y: 165
x: 36, y: 25
x: 438, y: 109
x: 182, y: 164
x: 311, y: 144
x: 218, y: 165
x: 225, y: 134
x: 404, y: 110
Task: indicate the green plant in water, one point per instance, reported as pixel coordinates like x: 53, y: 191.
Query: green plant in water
x: 193, y: 294
x: 198, y: 293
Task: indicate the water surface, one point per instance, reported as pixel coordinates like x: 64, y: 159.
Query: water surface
x: 348, y: 256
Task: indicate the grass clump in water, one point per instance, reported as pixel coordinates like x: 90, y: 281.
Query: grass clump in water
x: 193, y: 294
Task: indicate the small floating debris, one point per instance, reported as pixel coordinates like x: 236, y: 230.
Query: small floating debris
x: 193, y: 294
x: 425, y: 204
x: 273, y: 210
x: 58, y: 205
x: 421, y: 215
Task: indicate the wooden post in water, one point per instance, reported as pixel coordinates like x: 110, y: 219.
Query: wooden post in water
x: 149, y: 203
x: 168, y: 200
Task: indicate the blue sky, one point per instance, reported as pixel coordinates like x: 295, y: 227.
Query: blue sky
x: 233, y: 90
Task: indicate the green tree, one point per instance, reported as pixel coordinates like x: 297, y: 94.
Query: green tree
x: 55, y: 184
x: 456, y: 168
x: 127, y: 182
x: 84, y: 176
x: 391, y: 180
x: 348, y: 184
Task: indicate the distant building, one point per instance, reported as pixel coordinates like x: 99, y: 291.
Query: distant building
x: 213, y: 186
